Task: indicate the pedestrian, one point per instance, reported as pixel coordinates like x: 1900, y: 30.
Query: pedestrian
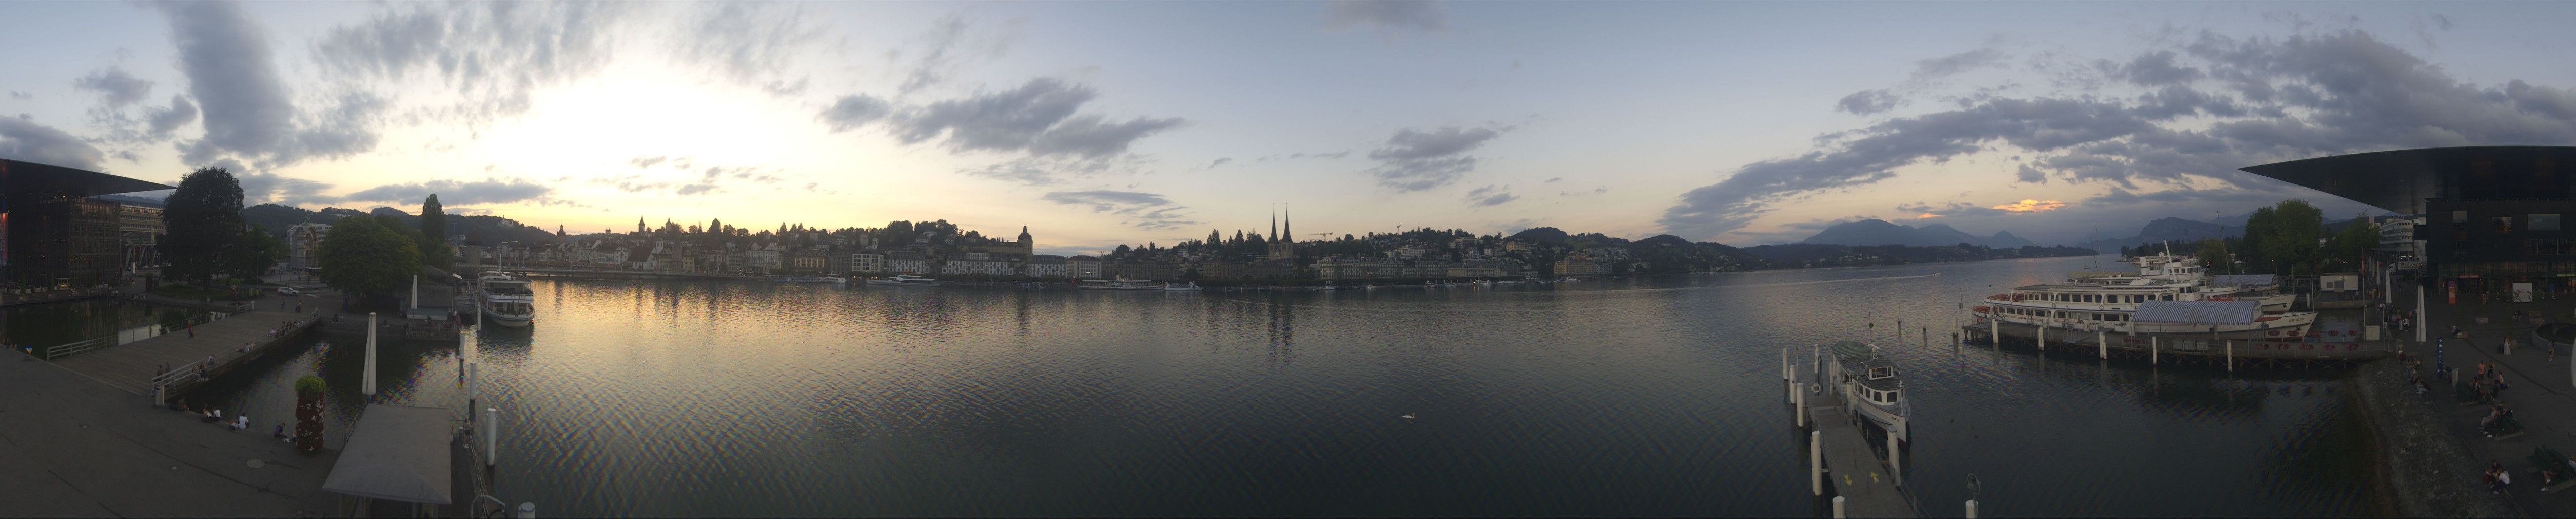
x: 192, y: 330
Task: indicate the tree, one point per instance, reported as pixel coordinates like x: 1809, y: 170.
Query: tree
x: 253, y: 253
x: 364, y: 256
x: 2289, y: 238
x: 308, y: 414
x: 2214, y: 257
x: 2347, y: 247
x: 433, y: 233
x: 201, y: 222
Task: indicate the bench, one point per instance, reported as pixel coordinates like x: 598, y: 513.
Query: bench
x: 2545, y: 458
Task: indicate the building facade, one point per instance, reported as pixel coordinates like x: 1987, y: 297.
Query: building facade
x: 2493, y: 216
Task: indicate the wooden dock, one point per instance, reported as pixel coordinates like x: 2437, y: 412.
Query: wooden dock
x: 229, y: 341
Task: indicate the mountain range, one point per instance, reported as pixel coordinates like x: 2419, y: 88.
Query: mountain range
x: 1882, y: 232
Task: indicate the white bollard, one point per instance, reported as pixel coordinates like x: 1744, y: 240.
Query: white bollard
x: 1972, y: 509
x: 2231, y: 355
x: 473, y: 384
x: 2103, y: 340
x: 491, y: 436
x: 1838, y: 507
x: 2043, y: 337
x: 1798, y: 399
x: 1785, y: 378
x: 2152, y: 355
x: 368, y: 386
x: 527, y: 511
x: 1816, y: 462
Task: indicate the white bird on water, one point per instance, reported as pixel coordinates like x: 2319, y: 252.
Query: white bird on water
x: 1408, y: 416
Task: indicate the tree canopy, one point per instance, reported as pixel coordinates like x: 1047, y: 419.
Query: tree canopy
x: 253, y: 252
x: 364, y: 256
x: 201, y: 223
x: 2283, y: 238
x: 433, y: 233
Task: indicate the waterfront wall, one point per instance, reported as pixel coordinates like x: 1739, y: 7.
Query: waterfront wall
x: 2424, y: 468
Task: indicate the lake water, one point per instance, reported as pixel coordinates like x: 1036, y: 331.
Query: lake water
x: 1636, y: 397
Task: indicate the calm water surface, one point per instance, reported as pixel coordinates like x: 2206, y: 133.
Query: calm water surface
x: 1642, y: 397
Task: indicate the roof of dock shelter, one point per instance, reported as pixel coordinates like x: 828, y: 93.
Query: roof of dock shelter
x: 20, y: 178
x: 2199, y: 312
x: 2399, y: 180
x: 397, y: 453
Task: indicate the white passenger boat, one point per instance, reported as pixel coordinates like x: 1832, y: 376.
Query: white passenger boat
x: 2110, y: 301
x: 1183, y: 287
x: 505, y: 298
x: 836, y: 280
x: 1118, y: 284
x: 904, y: 281
x: 1870, y: 385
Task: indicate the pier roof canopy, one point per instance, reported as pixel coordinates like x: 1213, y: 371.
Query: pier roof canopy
x: 2199, y: 312
x: 397, y: 453
x: 2400, y: 180
x: 22, y: 178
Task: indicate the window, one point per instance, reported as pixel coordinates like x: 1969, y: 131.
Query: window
x: 2541, y: 222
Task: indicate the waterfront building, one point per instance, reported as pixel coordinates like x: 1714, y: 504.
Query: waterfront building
x: 1358, y: 269
x: 993, y: 267
x: 763, y: 258
x: 1476, y: 269
x: 868, y: 261
x: 2397, y: 236
x: 1082, y: 267
x: 2492, y: 214
x: 807, y: 261
x: 52, y: 234
x: 1580, y: 266
x: 906, y: 262
x: 1144, y: 270
x: 1046, y: 266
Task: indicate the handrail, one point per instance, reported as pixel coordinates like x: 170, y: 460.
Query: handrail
x: 85, y: 345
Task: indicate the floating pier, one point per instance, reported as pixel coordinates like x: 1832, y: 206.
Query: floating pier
x: 2200, y: 348
x: 1841, y: 465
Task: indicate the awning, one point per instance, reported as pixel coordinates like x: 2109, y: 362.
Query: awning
x: 397, y: 453
x: 2199, y: 312
x: 2249, y: 280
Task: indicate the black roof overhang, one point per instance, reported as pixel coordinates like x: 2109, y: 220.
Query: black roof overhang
x: 22, y: 178
x: 2400, y: 180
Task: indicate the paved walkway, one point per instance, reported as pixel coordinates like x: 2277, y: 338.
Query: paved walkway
x: 131, y: 366
x: 71, y: 447
x: 1858, y: 475
x: 2542, y: 393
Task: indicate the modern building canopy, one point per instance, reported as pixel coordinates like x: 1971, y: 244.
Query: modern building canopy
x: 22, y: 178
x: 2400, y: 180
x: 397, y: 453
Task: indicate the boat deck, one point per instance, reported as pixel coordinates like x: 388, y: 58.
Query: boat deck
x: 2183, y: 347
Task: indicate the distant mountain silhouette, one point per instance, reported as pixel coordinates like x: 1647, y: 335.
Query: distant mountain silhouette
x: 1547, y: 235
x: 2170, y: 230
x: 1881, y: 232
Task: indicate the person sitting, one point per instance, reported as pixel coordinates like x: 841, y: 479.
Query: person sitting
x: 241, y: 422
x: 214, y: 415
x: 281, y: 431
x: 2503, y: 480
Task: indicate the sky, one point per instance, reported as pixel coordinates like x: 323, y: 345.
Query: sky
x: 1102, y: 123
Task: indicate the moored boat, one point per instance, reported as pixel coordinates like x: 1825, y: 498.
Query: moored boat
x: 1870, y: 385
x: 505, y: 298
x: 904, y: 281
x: 1182, y: 287
x: 1118, y: 284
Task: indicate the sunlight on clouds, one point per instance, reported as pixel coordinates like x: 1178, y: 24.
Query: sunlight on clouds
x: 595, y: 126
x: 2028, y: 206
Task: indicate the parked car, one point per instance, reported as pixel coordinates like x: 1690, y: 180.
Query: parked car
x: 287, y: 291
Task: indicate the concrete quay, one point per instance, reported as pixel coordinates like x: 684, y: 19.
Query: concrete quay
x: 131, y: 367
x: 2541, y: 393
x: 73, y: 447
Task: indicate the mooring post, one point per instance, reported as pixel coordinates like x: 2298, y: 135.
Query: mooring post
x: 2103, y: 339
x: 2043, y: 336
x: 1972, y: 509
x: 2152, y: 356
x: 491, y: 436
x: 473, y: 384
x: 368, y: 386
x: 1785, y: 379
x: 1838, y: 507
x: 2231, y: 355
x: 1798, y: 399
x: 1816, y: 462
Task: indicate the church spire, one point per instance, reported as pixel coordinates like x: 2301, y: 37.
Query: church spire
x: 1274, y: 222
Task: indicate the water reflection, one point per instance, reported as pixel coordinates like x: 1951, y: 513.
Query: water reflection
x: 1629, y: 397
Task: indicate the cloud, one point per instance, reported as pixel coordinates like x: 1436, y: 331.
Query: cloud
x: 233, y: 75
x: 162, y: 121
x: 270, y: 188
x: 853, y: 111
x: 482, y: 61
x: 1946, y: 66
x: 1867, y: 102
x: 21, y: 139
x: 1405, y: 15
x: 1303, y: 155
x: 1038, y: 120
x: 1923, y: 211
x: 2254, y: 100
x: 114, y: 86
x: 1415, y: 160
x: 947, y: 46
x: 451, y: 192
x: 749, y: 42
x: 2027, y: 205
x: 647, y: 162
x: 21, y: 94
x: 1555, y: 179
x: 1490, y: 195
x: 1145, y: 211
x: 1220, y: 161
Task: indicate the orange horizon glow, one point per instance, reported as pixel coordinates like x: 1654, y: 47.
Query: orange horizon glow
x: 2027, y: 205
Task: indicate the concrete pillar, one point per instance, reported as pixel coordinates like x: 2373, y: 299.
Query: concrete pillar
x: 1895, y: 467
x: 1972, y: 509
x: 1838, y: 507
x: 1816, y: 462
x: 368, y: 386
x: 491, y: 436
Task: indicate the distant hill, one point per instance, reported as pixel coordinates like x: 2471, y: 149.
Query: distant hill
x: 1882, y: 232
x: 1803, y: 255
x: 2173, y: 230
x: 1546, y: 235
x: 490, y: 229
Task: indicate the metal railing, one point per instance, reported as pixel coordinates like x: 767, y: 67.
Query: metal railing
x: 85, y: 345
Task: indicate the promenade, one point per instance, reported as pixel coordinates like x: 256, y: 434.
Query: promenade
x: 130, y: 367
x: 73, y: 447
x: 2542, y: 393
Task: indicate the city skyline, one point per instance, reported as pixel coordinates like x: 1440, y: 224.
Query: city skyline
x: 1122, y: 123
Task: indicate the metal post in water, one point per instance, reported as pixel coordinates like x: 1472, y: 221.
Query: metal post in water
x: 1838, y: 507
x: 2152, y: 355
x: 368, y: 386
x: 1798, y: 399
x: 491, y: 436
x: 2231, y: 355
x: 1816, y: 462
